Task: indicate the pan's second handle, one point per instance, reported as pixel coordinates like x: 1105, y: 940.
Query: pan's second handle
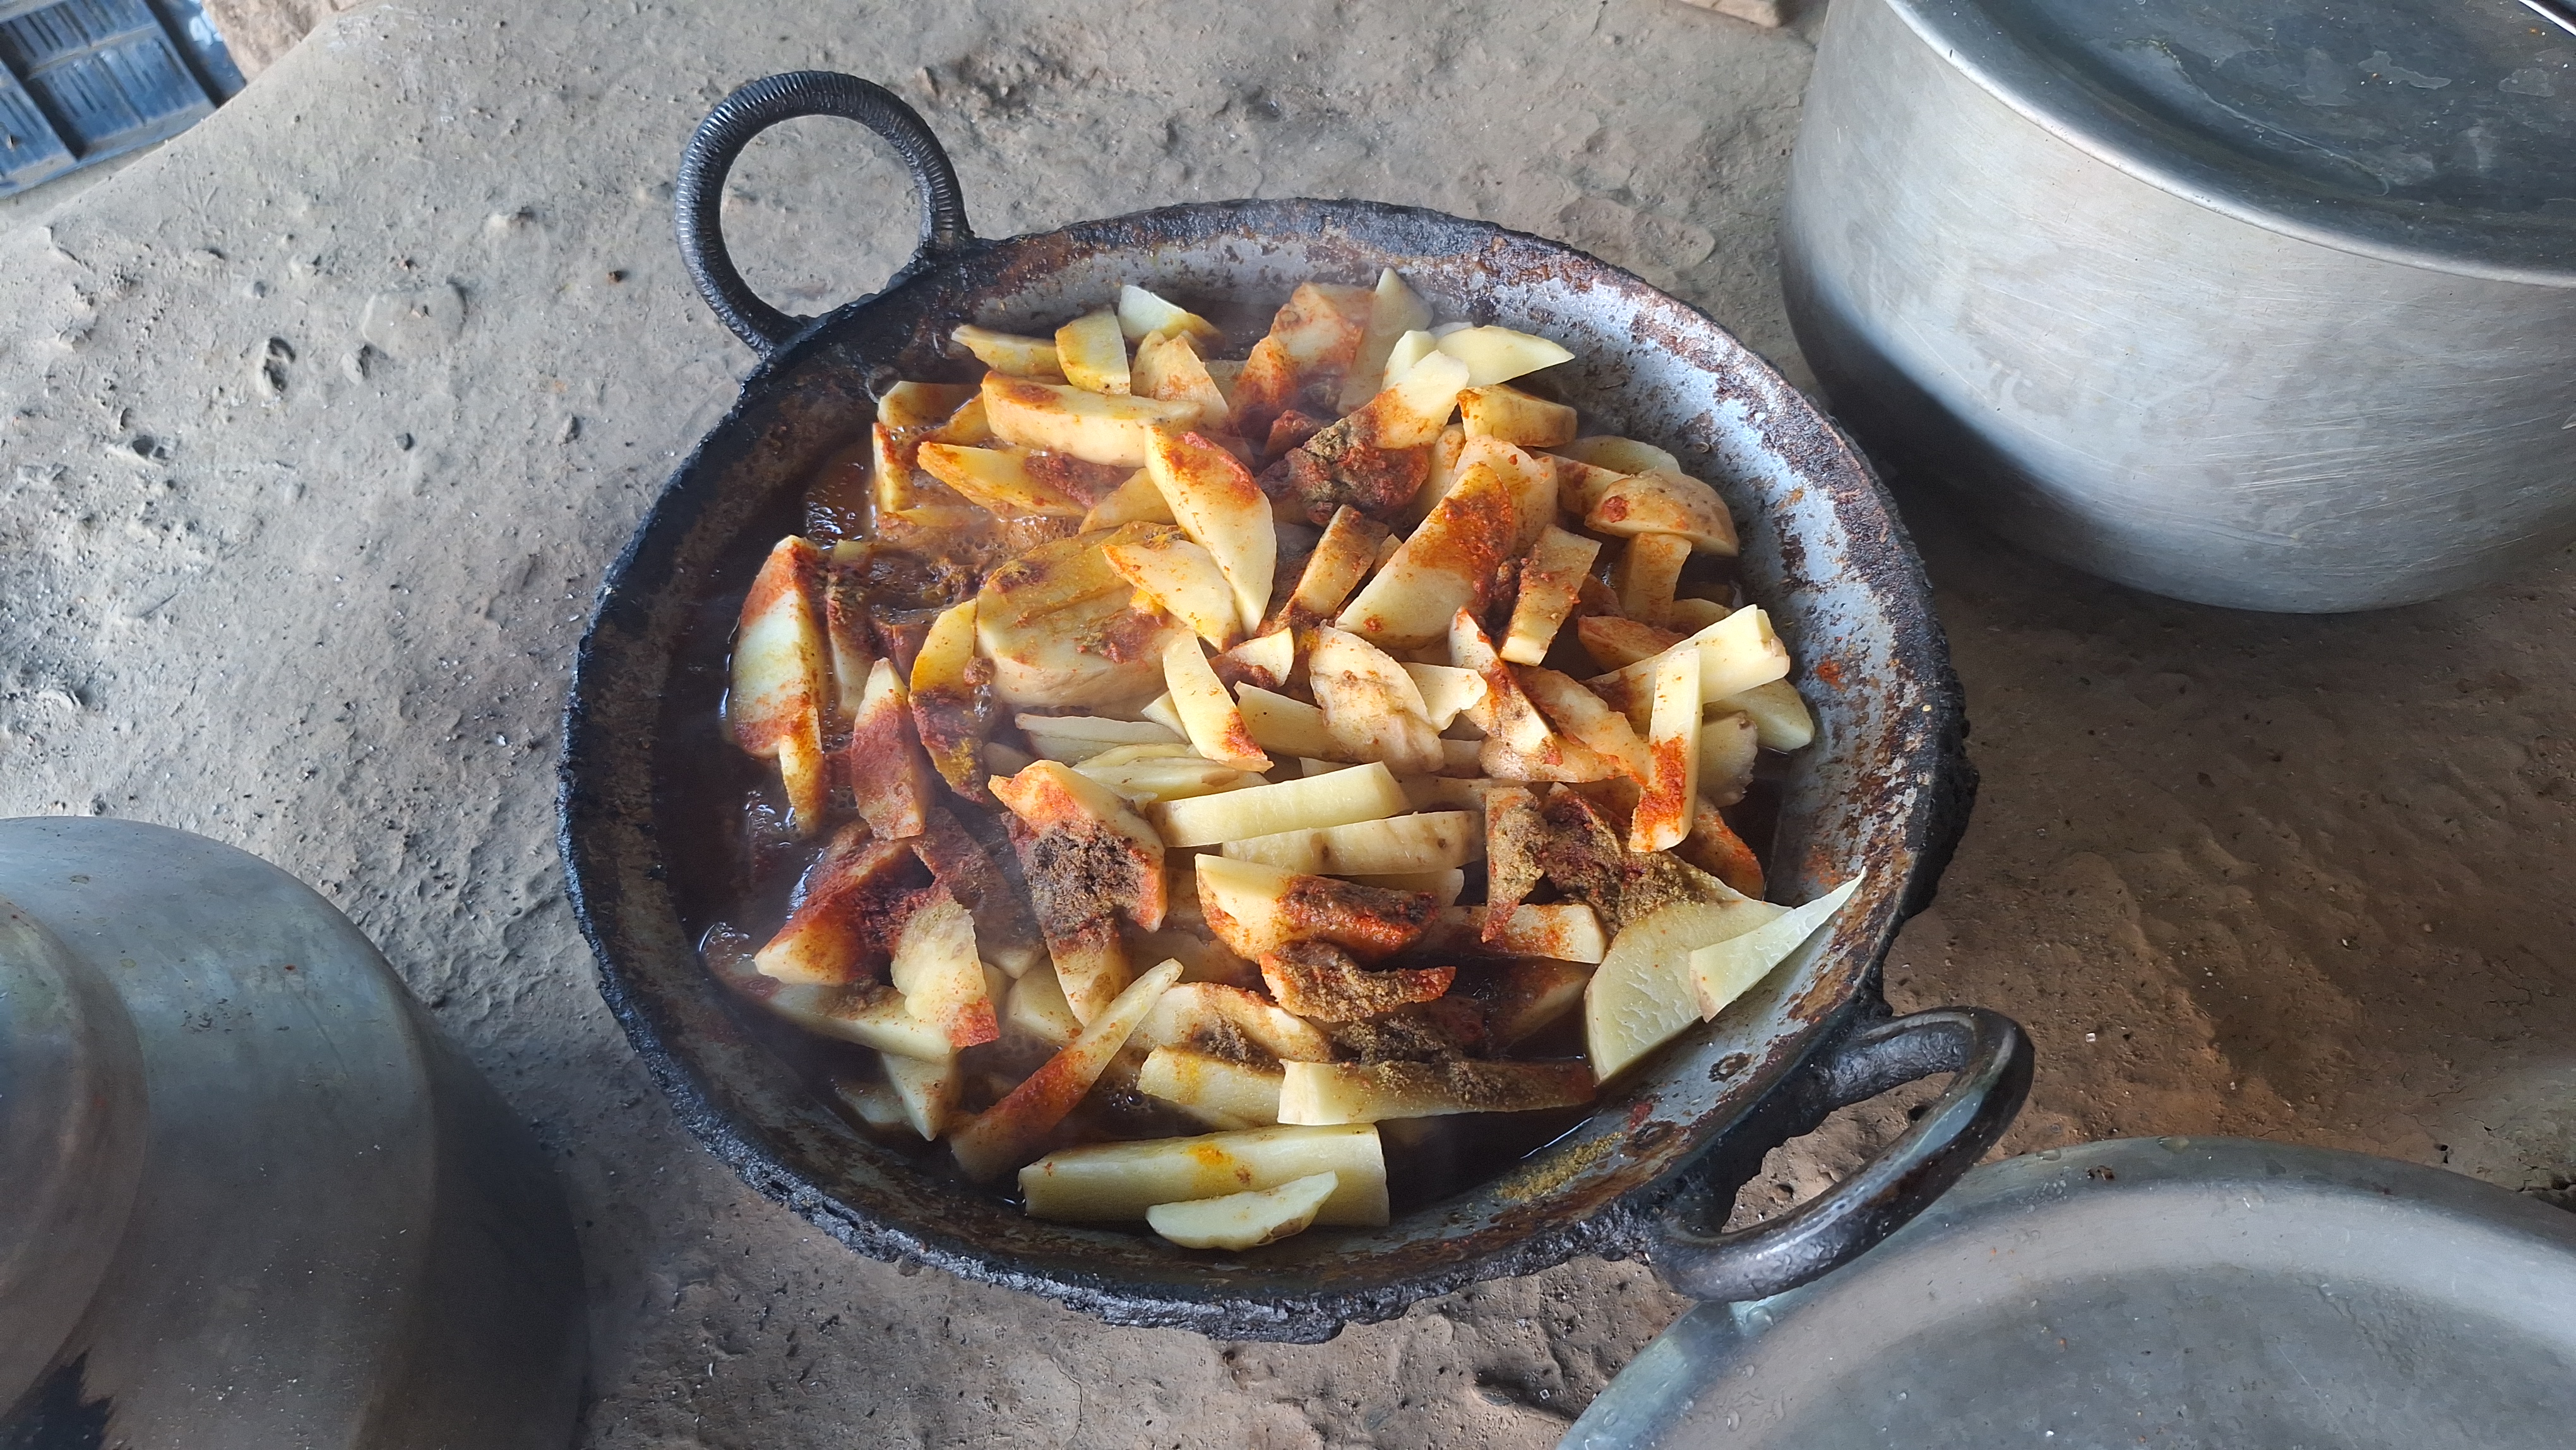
x: 1992, y: 1060
x: 755, y: 108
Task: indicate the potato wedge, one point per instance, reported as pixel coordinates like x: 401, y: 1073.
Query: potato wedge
x: 1037, y: 1008
x: 952, y: 700
x: 1218, y: 1091
x: 1616, y: 642
x: 1530, y: 479
x: 1270, y: 657
x: 1665, y: 502
x: 1309, y: 349
x: 1394, y: 310
x: 1671, y: 792
x: 1581, y: 715
x: 1180, y: 578
x: 1143, y: 314
x: 1256, y: 909
x: 1728, y: 742
x: 774, y: 709
x: 1320, y: 981
x: 1432, y: 841
x: 1447, y: 565
x: 1375, y: 459
x: 1145, y: 780
x: 874, y: 1100
x: 1010, y: 1132
x: 1115, y: 1182
x: 1170, y: 368
x: 1372, y: 708
x: 1499, y: 410
x: 1691, y: 615
x: 1779, y: 716
x: 1209, y: 1015
x: 888, y: 776
x: 1447, y: 691
x: 1354, y: 1092
x: 1011, y: 354
x: 1518, y: 744
x: 1643, y: 993
x: 1161, y: 711
x: 908, y: 405
x: 1077, y: 738
x: 848, y: 905
x: 870, y: 1014
x: 1527, y: 997
x: 1342, y: 557
x: 1551, y: 575
x: 1134, y: 501
x: 1713, y: 847
x: 1087, y: 855
x: 1725, y: 970
x: 1246, y: 1220
x: 927, y: 1089
x: 1408, y: 350
x: 936, y: 968
x: 1737, y: 653
x: 1443, y: 887
x: 1619, y: 455
x: 1367, y: 793
x: 1093, y: 353
x: 1500, y: 354
x: 1060, y: 418
x: 1580, y: 485
x: 1061, y: 629
x: 999, y: 481
x: 1207, y: 712
x: 1564, y: 931
x: 1649, y: 569
x: 1282, y: 725
x: 1218, y: 504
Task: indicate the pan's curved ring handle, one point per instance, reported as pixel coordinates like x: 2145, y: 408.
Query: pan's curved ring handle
x: 754, y: 108
x: 1992, y: 1059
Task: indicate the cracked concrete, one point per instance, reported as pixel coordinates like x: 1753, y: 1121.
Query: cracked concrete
x: 318, y: 424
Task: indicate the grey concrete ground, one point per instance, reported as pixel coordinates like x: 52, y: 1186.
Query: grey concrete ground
x: 318, y: 425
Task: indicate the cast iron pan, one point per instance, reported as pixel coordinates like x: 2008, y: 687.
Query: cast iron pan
x: 1884, y: 792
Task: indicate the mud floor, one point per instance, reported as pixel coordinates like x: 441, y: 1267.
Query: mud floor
x: 318, y: 424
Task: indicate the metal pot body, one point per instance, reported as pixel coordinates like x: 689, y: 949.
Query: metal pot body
x: 2157, y: 390
x: 254, y: 1198
x: 1884, y: 797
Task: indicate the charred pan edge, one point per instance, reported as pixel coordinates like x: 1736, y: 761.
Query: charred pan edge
x: 1593, y: 1195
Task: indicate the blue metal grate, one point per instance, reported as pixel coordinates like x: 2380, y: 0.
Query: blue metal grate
x: 83, y: 80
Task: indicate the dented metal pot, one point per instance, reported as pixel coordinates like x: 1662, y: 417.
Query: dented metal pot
x: 1883, y: 794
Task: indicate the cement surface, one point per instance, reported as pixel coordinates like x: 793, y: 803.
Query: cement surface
x: 318, y: 425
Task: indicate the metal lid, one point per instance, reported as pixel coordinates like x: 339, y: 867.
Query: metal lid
x: 2440, y: 133
x: 2202, y: 1292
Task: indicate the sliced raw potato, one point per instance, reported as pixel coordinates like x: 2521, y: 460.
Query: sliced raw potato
x: 1516, y: 838
x: 1076, y: 738
x: 1443, y: 887
x: 1216, y: 501
x: 1010, y: 1132
x: 1580, y: 485
x: 1691, y: 615
x: 1643, y: 994
x: 1145, y: 779
x: 1728, y: 742
x: 1723, y: 971
x: 1665, y: 502
x: 1432, y: 841
x: 838, y: 932
x: 922, y: 405
x: 1505, y: 412
x: 1518, y: 744
x: 1244, y: 1220
x: 1201, y: 960
x: 1170, y: 368
x: 1142, y: 314
x: 1551, y: 576
x: 1224, y: 372
x: 1215, y: 728
x: 1037, y: 1008
x: 1447, y: 565
x: 1118, y: 1182
x: 1779, y: 715
x: 1531, y: 996
x: 1135, y: 501
x: 1617, y: 643
x: 1256, y: 909
x: 928, y: 1090
x: 1648, y: 571
x: 1713, y: 847
x: 1395, y: 310
x: 1452, y: 793
x: 1010, y: 354
x: 999, y: 481
x: 1446, y: 691
x: 1671, y: 788
x: 874, y: 1100
x: 1372, y: 708
x: 1311, y: 342
x: 966, y: 423
x: 888, y: 776
x: 1409, y: 349
x: 1580, y: 714
x: 780, y: 654
x: 848, y: 649
x: 1530, y: 479
x: 1366, y: 794
x: 1322, y: 982
x: 1355, y: 1092
x: 1181, y: 579
x: 1199, y: 1014
x: 1619, y: 455
x: 937, y: 970
x: 1499, y: 354
x: 1096, y: 427
x: 1218, y: 1091
x: 1342, y: 557
x: 1273, y: 654
x: 1086, y: 855
x: 1374, y: 460
x: 1062, y: 629
x: 1093, y: 352
x: 1283, y: 725
x: 870, y: 1014
x: 1161, y: 711
x: 1736, y: 654
x: 951, y: 706
x: 1564, y: 931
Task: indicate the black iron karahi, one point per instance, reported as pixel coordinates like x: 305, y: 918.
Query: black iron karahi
x: 1884, y: 792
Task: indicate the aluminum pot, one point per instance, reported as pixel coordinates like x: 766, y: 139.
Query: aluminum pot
x: 2269, y: 305
x: 250, y: 1195
x: 1885, y: 794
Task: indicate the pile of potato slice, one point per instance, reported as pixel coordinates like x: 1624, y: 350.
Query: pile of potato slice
x: 1256, y: 661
